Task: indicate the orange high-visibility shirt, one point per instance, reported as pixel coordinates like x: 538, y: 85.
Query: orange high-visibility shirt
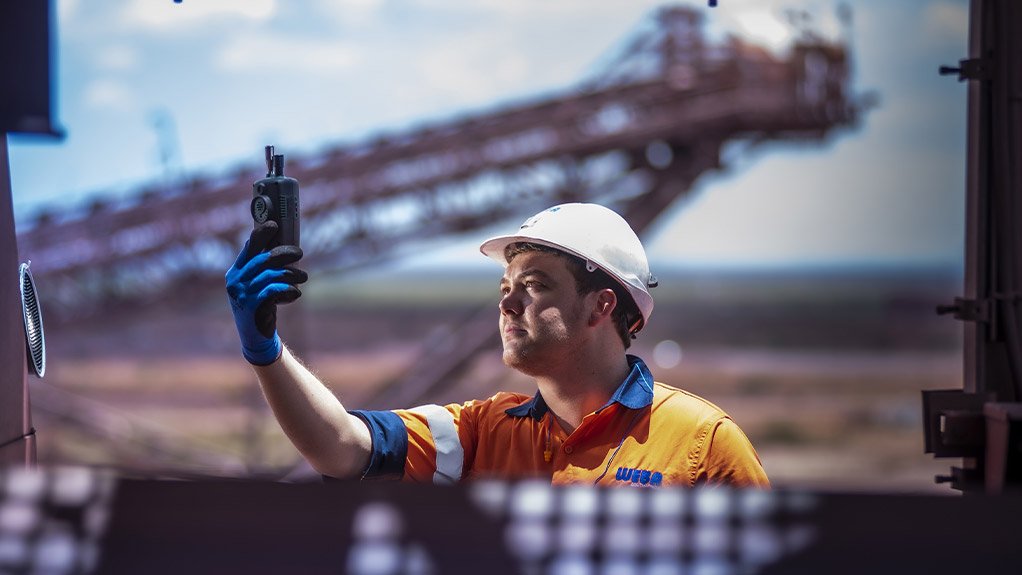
x: 648, y: 434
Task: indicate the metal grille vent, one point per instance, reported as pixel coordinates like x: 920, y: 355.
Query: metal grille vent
x: 33, y: 316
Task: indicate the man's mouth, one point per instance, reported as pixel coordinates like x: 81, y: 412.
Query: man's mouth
x: 512, y: 329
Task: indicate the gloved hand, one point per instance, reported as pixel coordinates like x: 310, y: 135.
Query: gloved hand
x: 256, y: 283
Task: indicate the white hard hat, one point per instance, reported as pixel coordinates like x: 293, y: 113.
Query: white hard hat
x: 594, y: 233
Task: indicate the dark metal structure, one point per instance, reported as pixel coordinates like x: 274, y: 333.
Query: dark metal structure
x: 982, y: 423
x: 25, y: 107
x: 116, y: 525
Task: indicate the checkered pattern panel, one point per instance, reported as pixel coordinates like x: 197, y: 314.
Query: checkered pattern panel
x: 704, y: 531
x: 52, y: 521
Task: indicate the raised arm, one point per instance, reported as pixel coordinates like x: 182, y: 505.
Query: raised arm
x: 335, y: 442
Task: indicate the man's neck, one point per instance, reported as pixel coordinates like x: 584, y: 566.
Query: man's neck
x: 575, y: 393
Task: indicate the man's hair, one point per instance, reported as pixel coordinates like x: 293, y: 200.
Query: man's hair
x: 625, y: 314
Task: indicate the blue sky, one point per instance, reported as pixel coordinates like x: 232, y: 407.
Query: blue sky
x: 234, y: 75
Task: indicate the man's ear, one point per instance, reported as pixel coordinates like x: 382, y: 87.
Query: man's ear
x: 605, y: 302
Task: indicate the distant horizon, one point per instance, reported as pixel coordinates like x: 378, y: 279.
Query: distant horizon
x: 671, y: 268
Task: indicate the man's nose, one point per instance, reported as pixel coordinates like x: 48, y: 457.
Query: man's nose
x: 510, y: 304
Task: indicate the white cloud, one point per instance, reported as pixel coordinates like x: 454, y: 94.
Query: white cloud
x: 546, y: 9
x: 351, y: 12
x: 774, y: 24
x: 66, y: 9
x: 947, y: 21
x: 109, y: 94
x: 167, y: 15
x: 763, y: 27
x: 117, y: 58
x: 471, y: 69
x: 286, y: 54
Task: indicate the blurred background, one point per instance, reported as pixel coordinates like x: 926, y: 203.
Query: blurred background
x: 795, y: 167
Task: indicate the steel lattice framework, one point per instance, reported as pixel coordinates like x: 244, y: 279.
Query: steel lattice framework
x: 636, y: 138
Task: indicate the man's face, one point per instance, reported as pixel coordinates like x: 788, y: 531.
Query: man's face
x: 542, y: 316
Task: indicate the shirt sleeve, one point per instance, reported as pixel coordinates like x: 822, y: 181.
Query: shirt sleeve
x: 423, y: 444
x: 390, y: 444
x: 731, y: 459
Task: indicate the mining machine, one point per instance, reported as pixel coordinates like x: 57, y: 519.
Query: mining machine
x: 636, y: 135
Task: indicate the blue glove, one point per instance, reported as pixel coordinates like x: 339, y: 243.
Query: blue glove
x: 256, y: 283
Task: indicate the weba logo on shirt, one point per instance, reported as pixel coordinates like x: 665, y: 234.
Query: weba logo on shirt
x: 639, y: 476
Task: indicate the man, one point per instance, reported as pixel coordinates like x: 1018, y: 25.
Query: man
x: 574, y: 293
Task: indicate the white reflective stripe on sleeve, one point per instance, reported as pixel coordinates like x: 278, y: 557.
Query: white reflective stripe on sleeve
x: 449, y: 454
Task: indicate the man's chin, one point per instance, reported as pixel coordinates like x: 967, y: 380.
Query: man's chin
x: 519, y: 360
x: 513, y: 357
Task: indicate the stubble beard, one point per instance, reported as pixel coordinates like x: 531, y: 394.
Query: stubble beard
x: 545, y: 343
x: 517, y: 356
x: 536, y: 352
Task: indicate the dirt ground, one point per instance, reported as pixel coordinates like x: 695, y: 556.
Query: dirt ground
x: 822, y: 373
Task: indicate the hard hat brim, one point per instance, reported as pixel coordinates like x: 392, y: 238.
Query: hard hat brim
x: 494, y: 247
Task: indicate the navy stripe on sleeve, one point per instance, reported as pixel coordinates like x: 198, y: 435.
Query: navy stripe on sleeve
x: 390, y: 444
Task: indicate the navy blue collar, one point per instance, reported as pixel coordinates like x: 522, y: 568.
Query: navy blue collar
x: 635, y: 392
